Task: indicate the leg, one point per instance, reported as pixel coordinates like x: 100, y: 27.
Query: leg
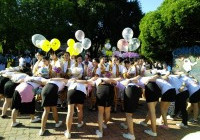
x: 55, y: 113
x: 164, y: 108
x: 45, y: 117
x: 129, y: 120
x: 79, y: 108
x: 195, y: 110
x: 7, y: 103
x: 107, y: 114
x: 152, y: 115
x: 69, y: 118
x: 100, y: 118
x: 14, y: 115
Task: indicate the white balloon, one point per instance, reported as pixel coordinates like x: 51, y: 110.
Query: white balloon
x: 114, y: 49
x: 80, y: 35
x: 86, y: 43
x: 127, y: 33
x: 134, y: 44
x: 36, y: 38
x: 78, y: 47
x: 107, y: 46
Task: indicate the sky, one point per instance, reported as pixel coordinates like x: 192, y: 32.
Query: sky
x: 150, y: 5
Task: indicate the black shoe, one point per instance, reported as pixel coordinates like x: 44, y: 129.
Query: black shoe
x: 4, y: 116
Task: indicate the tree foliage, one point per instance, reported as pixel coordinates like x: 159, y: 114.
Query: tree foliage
x: 99, y: 19
x: 174, y: 24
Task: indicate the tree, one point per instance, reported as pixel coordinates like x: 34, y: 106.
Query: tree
x: 99, y: 19
x: 175, y: 24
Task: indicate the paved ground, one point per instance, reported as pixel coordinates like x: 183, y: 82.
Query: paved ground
x: 29, y: 131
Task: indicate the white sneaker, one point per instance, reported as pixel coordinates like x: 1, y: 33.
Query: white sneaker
x: 58, y: 124
x: 169, y: 117
x: 158, y: 122
x: 35, y: 120
x: 99, y: 134
x: 67, y: 135
x: 129, y: 136
x: 15, y: 124
x: 143, y: 123
x: 150, y: 132
x: 41, y: 133
x: 181, y: 125
x: 104, y: 126
x: 123, y: 126
x: 80, y: 124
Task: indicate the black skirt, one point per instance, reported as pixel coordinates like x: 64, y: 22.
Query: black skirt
x: 195, y: 97
x: 75, y: 96
x: 23, y: 108
x: 3, y: 81
x: 169, y: 95
x: 131, y: 98
x: 49, y: 95
x: 9, y: 88
x: 105, y: 95
x: 152, y: 92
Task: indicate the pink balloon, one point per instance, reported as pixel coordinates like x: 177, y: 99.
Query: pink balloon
x: 122, y: 44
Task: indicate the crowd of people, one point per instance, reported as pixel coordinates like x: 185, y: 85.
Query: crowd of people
x: 59, y: 79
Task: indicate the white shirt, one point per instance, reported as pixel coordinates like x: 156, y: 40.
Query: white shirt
x: 81, y: 66
x: 176, y: 82
x: 65, y: 66
x: 143, y: 81
x: 33, y: 84
x: 98, y: 71
x: 77, y: 86
x: 18, y: 76
x: 60, y: 84
x: 21, y: 61
x: 56, y: 64
x: 114, y: 69
x: 163, y: 85
x: 191, y: 85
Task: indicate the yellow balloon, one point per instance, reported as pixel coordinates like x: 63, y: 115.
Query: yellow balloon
x: 70, y: 42
x: 55, y: 44
x: 45, y: 45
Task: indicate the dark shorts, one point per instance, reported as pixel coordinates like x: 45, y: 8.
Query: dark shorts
x: 152, y: 92
x: 169, y: 96
x: 49, y: 95
x: 9, y: 89
x: 3, y: 81
x: 23, y: 108
x: 131, y: 98
x: 105, y: 95
x: 195, y: 97
x: 75, y: 96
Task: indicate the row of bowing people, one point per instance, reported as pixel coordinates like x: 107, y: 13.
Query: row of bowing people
x: 18, y: 88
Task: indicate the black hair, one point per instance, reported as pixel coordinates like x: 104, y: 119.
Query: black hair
x: 79, y: 56
x: 46, y: 58
x: 41, y: 53
x: 126, y: 62
x: 96, y: 59
x: 66, y: 53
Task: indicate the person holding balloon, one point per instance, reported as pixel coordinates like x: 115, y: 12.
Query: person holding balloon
x: 79, y: 65
x: 96, y: 72
x: 39, y: 62
x: 115, y: 70
x: 56, y: 64
x: 102, y: 66
x: 67, y: 64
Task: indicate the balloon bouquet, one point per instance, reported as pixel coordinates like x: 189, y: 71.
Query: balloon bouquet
x: 41, y: 42
x: 75, y: 48
x: 128, y: 43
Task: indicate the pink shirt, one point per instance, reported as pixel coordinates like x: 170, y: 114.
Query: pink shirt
x: 26, y: 92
